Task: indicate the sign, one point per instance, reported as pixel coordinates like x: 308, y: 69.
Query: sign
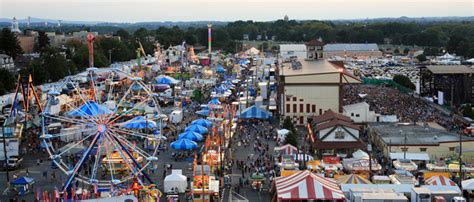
x: 440, y: 98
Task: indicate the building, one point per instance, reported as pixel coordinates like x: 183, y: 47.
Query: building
x: 82, y: 35
x: 314, y: 49
x: 15, y: 28
x: 342, y: 50
x: 6, y: 62
x: 438, y: 143
x: 27, y: 43
x: 359, y: 112
x: 449, y: 83
x: 288, y: 51
x: 335, y: 134
x: 309, y: 88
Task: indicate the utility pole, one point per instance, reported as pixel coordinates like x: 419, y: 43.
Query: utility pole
x: 110, y: 56
x: 461, y: 174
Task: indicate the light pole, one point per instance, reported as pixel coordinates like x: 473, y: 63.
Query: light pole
x: 460, y: 159
x: 5, y: 151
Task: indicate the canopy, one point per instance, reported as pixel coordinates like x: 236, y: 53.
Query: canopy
x: 287, y: 149
x: 305, y: 185
x: 352, y: 179
x: 254, y: 112
x: 470, y: 60
x: 252, y: 51
x: 220, y: 69
x: 359, y: 154
x: 175, y: 181
x: 204, y: 112
x: 197, y: 128
x: 184, y: 144
x: 303, y: 157
x: 164, y: 80
x: 23, y: 181
x: 190, y: 135
x: 214, y: 101
x: 410, y: 156
x: 136, y: 87
x: 138, y: 122
x: 440, y: 180
x: 90, y: 108
x: 283, y: 131
x: 202, y: 122
x: 468, y: 184
x: 243, y: 62
x: 447, y: 56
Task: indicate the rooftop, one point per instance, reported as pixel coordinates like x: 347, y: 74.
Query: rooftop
x: 314, y: 43
x: 355, y: 106
x: 330, y: 115
x: 292, y: 47
x: 450, y: 69
x: 351, y: 47
x: 310, y: 67
x: 394, y: 133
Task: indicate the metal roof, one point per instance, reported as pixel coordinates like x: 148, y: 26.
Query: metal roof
x: 450, y: 69
x: 394, y: 134
x: 351, y: 47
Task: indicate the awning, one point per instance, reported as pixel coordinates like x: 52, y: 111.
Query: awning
x: 410, y: 156
x: 305, y: 185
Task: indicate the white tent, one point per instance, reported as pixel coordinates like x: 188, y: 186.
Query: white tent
x: 470, y: 60
x: 468, y: 184
x: 447, y: 56
x: 252, y: 51
x: 282, y: 134
x: 359, y: 154
x: 176, y: 180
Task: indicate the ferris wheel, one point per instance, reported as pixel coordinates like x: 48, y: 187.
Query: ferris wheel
x: 108, y: 131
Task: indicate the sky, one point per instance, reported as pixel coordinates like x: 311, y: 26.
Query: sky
x: 229, y: 10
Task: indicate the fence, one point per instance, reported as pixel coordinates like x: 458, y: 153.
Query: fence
x: 387, y: 82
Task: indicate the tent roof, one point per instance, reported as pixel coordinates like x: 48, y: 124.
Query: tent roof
x: 410, y: 156
x: 352, y: 179
x: 306, y: 185
x: 287, y: 149
x: 440, y: 180
x: 254, y: 112
x: 23, y: 181
x: 90, y: 108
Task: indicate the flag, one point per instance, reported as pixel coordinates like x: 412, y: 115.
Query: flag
x: 310, y: 132
x: 38, y: 194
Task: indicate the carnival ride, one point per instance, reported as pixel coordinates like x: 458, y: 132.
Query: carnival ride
x: 118, y: 129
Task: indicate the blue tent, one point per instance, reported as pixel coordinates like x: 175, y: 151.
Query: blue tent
x: 23, y: 181
x: 184, y: 144
x: 90, y: 108
x: 214, y: 101
x: 204, y: 112
x: 202, y: 122
x: 190, y: 135
x: 139, y: 122
x: 220, y: 69
x: 244, y: 62
x: 136, y: 87
x: 197, y: 128
x: 164, y: 80
x: 254, y: 112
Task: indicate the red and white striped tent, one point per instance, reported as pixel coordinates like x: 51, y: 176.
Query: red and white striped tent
x: 287, y: 149
x: 440, y: 180
x: 306, y: 185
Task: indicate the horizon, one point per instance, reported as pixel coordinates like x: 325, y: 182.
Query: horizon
x: 230, y: 10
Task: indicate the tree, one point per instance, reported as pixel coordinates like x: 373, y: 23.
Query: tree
x: 51, y: 66
x: 7, y: 81
x: 119, y: 50
x: 9, y: 43
x: 467, y: 111
x: 406, y: 51
x: 287, y: 124
x: 403, y: 81
x: 396, y: 51
x: 291, y: 139
x: 81, y: 57
x: 421, y: 58
x: 43, y: 41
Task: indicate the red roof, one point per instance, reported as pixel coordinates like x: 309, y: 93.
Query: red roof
x: 314, y: 43
x: 329, y: 115
x: 305, y: 185
x: 336, y: 122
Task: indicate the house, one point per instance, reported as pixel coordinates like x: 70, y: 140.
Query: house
x: 288, y: 51
x: 310, y: 87
x: 335, y: 134
x: 416, y: 138
x: 343, y: 50
x: 6, y: 62
x: 314, y: 49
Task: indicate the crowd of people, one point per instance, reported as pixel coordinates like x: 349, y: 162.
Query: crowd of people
x: 260, y: 138
x: 386, y: 100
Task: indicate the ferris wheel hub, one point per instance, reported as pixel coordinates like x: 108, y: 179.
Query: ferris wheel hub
x: 102, y: 128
